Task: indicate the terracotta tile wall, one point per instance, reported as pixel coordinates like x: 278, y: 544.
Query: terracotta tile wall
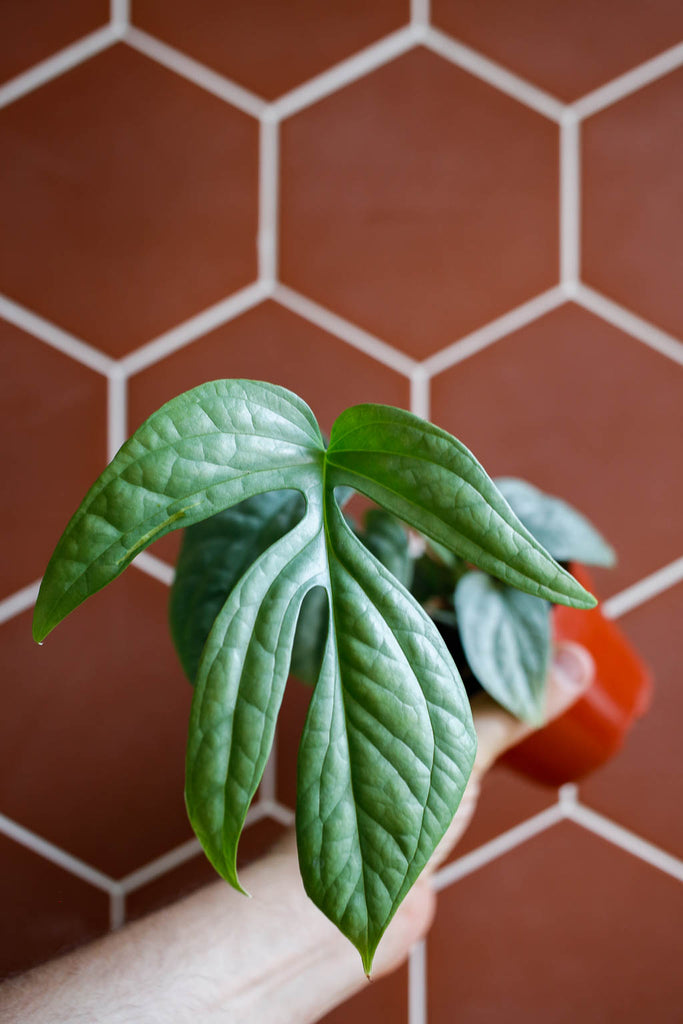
x: 473, y: 211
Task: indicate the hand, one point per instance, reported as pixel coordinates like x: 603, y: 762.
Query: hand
x: 274, y: 959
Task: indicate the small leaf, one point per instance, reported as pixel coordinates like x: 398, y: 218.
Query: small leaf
x: 386, y: 538
x: 429, y: 480
x: 239, y: 689
x: 507, y: 641
x: 566, y: 533
x: 213, y: 557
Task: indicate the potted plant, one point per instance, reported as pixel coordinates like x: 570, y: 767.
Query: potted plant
x: 272, y: 571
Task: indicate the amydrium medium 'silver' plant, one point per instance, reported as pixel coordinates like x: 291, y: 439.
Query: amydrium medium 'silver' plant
x: 388, y: 743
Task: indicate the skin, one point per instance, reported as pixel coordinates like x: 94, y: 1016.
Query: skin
x: 275, y: 959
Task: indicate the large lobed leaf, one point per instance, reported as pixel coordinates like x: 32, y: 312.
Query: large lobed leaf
x: 388, y: 743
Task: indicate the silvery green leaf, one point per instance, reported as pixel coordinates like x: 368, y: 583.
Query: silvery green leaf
x: 389, y: 742
x: 384, y: 536
x: 506, y: 638
x: 214, y: 556
x: 566, y: 533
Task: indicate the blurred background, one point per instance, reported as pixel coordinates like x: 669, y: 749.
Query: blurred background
x: 471, y: 209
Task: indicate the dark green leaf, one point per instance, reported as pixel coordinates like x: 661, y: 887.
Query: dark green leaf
x: 213, y: 557
x: 386, y: 751
x: 567, y: 534
x: 507, y: 641
x: 432, y: 482
x: 387, y: 539
x: 389, y: 741
x: 202, y: 452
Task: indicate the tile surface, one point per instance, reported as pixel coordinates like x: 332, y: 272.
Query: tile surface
x: 116, y: 219
x: 563, y: 928
x: 419, y: 203
x: 190, y: 876
x: 566, y: 48
x: 639, y: 787
x: 401, y: 220
x: 269, y: 47
x: 632, y: 189
x: 567, y: 403
x: 33, y: 30
x: 55, y: 407
x: 92, y: 744
x: 45, y: 910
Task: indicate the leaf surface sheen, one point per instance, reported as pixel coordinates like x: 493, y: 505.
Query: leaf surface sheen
x: 388, y: 742
x: 564, y: 531
x: 506, y: 637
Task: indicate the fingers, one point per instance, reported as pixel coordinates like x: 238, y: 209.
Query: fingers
x: 571, y: 673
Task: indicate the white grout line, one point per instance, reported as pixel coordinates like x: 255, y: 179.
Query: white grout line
x: 570, y: 201
x: 277, y: 811
x: 119, y: 15
x: 568, y: 794
x: 154, y: 567
x: 179, y: 336
x: 420, y: 393
x: 629, y: 82
x: 175, y: 857
x: 625, y: 840
x: 344, y: 329
x: 53, y: 67
x: 347, y: 71
x: 160, y: 865
x: 48, y: 332
x: 268, y: 785
x: 420, y: 12
x: 195, y: 72
x: 497, y: 847
x: 417, y: 984
x: 494, y: 74
x: 56, y: 855
x: 644, y: 590
x: 494, y: 331
x: 19, y: 602
x: 269, y: 165
x: 117, y: 910
x: 117, y: 412
x: 627, y: 321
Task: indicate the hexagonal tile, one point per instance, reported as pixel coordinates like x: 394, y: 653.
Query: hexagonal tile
x: 631, y: 187
x: 32, y: 30
x: 384, y: 999
x: 568, y: 402
x: 567, y: 49
x: 564, y: 928
x: 193, y: 874
x: 128, y: 199
x: 53, y: 407
x: 45, y: 910
x: 93, y: 742
x: 269, y: 48
x: 419, y: 203
x: 642, y: 785
x: 506, y: 800
x: 269, y: 343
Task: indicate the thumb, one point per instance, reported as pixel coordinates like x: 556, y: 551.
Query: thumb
x: 571, y: 673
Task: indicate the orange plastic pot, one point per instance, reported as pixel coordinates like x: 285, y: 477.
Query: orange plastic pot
x: 593, y: 730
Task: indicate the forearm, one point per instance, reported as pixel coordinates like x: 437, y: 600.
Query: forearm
x: 216, y: 957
